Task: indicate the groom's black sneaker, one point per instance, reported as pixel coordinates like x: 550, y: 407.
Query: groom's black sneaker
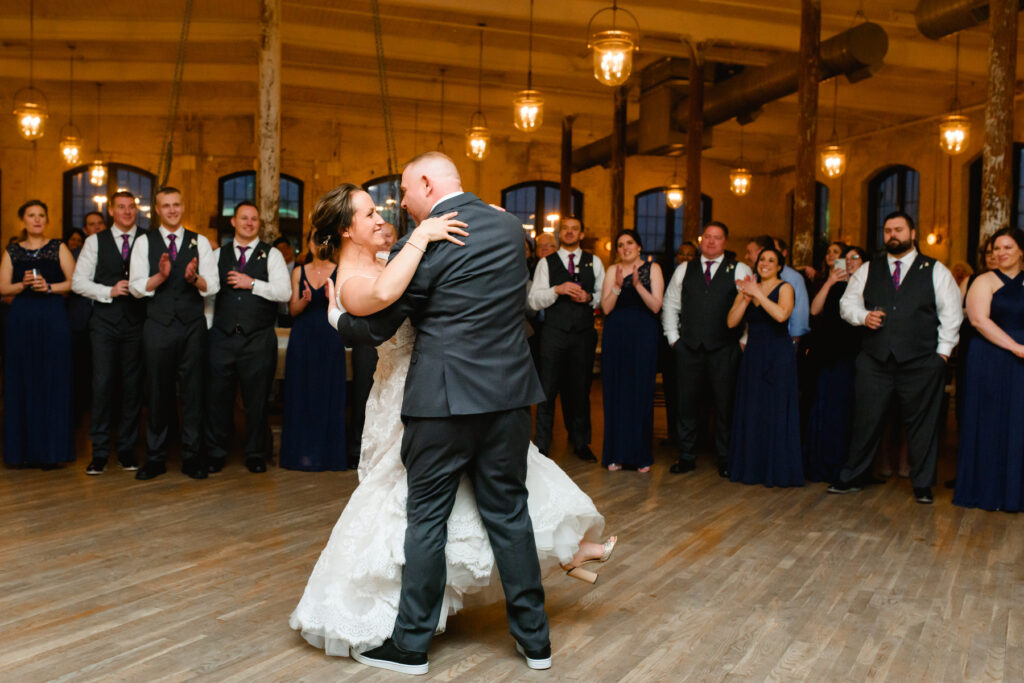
x: 536, y: 659
x: 393, y: 658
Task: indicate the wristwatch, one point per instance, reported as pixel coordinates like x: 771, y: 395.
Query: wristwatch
x: 616, y: 290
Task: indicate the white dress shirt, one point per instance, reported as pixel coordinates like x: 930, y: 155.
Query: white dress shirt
x: 83, y: 281
x: 139, y: 273
x: 444, y: 199
x: 542, y: 294
x: 947, y: 299
x: 672, y: 303
x: 278, y: 285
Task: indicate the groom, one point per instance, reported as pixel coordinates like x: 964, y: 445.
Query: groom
x: 466, y: 410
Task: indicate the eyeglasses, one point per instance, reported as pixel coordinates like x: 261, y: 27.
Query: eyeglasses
x: 853, y: 257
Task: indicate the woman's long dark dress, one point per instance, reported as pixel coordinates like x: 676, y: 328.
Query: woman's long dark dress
x: 37, y: 366
x: 764, y: 447
x: 990, y: 463
x: 629, y: 362
x: 313, y: 433
x: 828, y: 426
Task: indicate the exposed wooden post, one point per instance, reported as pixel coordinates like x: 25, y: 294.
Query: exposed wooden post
x: 268, y: 175
x: 618, y: 189
x: 997, y: 157
x: 694, y: 146
x: 565, y: 194
x: 802, y: 249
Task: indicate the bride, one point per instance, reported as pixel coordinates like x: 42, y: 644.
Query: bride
x: 351, y: 598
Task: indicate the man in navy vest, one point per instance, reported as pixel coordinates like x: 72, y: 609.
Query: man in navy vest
x: 706, y: 351
x: 115, y: 333
x: 243, y: 346
x: 174, y: 269
x: 567, y: 288
x: 910, y: 305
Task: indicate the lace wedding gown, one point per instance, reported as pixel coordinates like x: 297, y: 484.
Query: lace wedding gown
x: 351, y: 598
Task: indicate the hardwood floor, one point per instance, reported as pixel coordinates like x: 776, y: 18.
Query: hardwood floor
x: 108, y: 579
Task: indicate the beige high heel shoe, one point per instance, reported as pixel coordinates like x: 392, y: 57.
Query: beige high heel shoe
x: 579, y: 573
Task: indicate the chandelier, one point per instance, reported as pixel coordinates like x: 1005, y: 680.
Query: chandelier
x: 478, y: 136
x: 528, y: 105
x: 30, y: 107
x: 613, y: 48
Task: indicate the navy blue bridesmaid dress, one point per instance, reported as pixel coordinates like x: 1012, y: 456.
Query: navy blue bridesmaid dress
x: 313, y: 433
x: 990, y: 464
x: 629, y: 363
x: 37, y: 366
x: 764, y: 446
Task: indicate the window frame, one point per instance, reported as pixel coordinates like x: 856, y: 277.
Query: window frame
x: 875, y: 221
x: 666, y: 254
x: 290, y: 228
x: 539, y: 187
x: 113, y: 167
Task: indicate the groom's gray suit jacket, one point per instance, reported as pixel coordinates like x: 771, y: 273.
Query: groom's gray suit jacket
x: 467, y: 304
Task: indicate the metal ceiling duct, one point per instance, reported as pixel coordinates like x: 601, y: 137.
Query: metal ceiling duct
x: 938, y: 18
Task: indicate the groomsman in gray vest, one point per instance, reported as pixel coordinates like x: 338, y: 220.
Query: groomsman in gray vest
x: 910, y: 305
x: 706, y: 351
x: 115, y: 334
x: 174, y: 269
x: 243, y: 345
x: 567, y: 287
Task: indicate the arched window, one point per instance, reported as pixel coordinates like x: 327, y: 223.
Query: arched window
x: 895, y: 188
x: 974, y: 201
x: 386, y: 192
x: 538, y: 198
x: 661, y: 227
x: 81, y: 196
x: 237, y: 187
x: 821, y: 222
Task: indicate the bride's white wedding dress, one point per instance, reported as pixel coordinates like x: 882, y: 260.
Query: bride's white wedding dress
x: 351, y: 598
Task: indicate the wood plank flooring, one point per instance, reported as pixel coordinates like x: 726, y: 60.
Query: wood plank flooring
x: 108, y: 579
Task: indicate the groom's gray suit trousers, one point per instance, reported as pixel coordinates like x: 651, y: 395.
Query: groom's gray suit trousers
x: 491, y: 450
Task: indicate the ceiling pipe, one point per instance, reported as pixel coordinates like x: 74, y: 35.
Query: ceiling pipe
x: 856, y: 53
x: 938, y: 18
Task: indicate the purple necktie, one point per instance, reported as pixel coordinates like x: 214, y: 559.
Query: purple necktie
x: 707, y: 272
x: 125, y: 247
x: 171, y: 248
x: 572, y: 267
x: 241, y: 257
x: 896, y: 275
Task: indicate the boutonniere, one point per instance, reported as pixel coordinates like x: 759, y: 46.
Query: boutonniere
x: 192, y: 243
x: 922, y: 266
x: 261, y: 255
x: 731, y: 267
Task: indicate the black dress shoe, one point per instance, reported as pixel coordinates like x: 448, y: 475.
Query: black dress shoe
x: 393, y: 658
x: 682, y: 467
x: 96, y: 466
x: 151, y: 470
x: 585, y: 454
x: 544, y: 452
x: 723, y: 471
x: 256, y: 465
x: 843, y: 487
x: 214, y: 465
x: 194, y: 468
x: 923, y: 495
x: 128, y: 463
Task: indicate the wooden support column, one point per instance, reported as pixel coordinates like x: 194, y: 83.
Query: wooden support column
x: 802, y: 249
x: 997, y: 163
x: 694, y: 146
x: 565, y: 194
x: 268, y: 133
x: 618, y: 190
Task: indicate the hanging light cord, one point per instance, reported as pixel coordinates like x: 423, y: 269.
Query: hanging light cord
x: 31, y: 42
x: 480, y: 74
x: 529, y: 65
x: 835, y: 108
x: 99, y: 87
x: 71, y: 85
x: 385, y: 98
x: 956, y: 77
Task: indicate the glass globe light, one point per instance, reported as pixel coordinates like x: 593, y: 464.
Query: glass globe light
x: 478, y: 138
x: 954, y: 133
x: 613, y: 56
x: 833, y: 161
x: 30, y: 110
x: 739, y: 181
x: 98, y: 173
x: 70, y: 144
x: 674, y: 197
x: 528, y: 110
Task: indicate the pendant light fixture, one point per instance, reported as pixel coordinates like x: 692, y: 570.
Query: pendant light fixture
x: 30, y: 108
x: 739, y: 177
x: 478, y: 135
x: 613, y: 48
x: 674, y: 193
x: 955, y: 128
x: 98, y: 170
x: 833, y: 157
x: 70, y: 136
x: 528, y: 105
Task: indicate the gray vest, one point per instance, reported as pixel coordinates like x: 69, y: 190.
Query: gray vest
x: 911, y: 328
x: 240, y: 309
x: 705, y: 307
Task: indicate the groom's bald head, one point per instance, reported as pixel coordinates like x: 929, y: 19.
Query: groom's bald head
x: 425, y: 180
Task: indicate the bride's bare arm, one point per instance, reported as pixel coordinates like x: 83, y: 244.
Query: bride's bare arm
x: 364, y: 296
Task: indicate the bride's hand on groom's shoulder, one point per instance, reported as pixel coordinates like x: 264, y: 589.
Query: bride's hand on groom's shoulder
x: 441, y: 228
